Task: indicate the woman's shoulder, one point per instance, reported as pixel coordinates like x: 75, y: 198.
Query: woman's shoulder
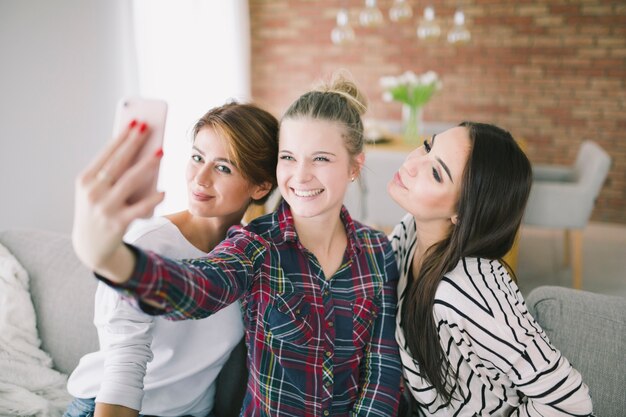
x: 152, y: 226
x: 364, y: 231
x: 404, y: 232
x: 264, y: 225
x: 475, y: 283
x: 160, y: 235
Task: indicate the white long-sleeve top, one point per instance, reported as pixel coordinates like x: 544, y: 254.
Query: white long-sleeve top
x: 504, y: 362
x: 160, y: 367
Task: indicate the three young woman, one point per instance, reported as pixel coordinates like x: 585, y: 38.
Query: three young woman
x: 318, y: 290
x: 158, y: 367
x: 468, y: 344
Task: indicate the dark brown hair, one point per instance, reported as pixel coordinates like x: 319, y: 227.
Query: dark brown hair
x: 494, y: 190
x: 252, y: 140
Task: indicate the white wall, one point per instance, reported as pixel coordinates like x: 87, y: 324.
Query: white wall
x: 63, y: 66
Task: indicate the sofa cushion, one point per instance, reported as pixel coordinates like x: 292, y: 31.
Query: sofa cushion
x: 62, y: 291
x: 590, y: 330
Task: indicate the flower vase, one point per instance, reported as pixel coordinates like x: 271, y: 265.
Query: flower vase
x: 412, y: 123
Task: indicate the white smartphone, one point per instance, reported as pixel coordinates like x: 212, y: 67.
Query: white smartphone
x: 153, y: 112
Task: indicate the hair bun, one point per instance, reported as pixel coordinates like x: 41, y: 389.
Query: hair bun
x: 342, y: 83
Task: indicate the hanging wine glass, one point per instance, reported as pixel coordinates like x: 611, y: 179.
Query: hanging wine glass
x: 428, y: 28
x: 342, y: 33
x: 400, y: 11
x: 371, y: 16
x: 459, y: 32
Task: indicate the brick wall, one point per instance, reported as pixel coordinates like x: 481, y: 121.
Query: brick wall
x: 552, y: 72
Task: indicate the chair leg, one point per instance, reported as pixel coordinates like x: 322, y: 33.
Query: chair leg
x: 577, y: 258
x: 566, y: 248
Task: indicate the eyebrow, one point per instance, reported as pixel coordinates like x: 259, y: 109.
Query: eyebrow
x: 215, y: 159
x: 314, y: 153
x: 445, y: 167
x: 443, y: 164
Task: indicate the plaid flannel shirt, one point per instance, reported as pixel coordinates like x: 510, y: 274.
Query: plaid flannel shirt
x: 317, y: 346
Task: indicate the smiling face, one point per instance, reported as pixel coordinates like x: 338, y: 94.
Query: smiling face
x: 429, y: 182
x: 214, y: 184
x: 314, y: 166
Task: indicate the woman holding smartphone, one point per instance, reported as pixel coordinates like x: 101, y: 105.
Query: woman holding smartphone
x: 317, y: 289
x: 151, y: 365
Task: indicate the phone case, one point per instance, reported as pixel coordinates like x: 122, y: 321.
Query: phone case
x: 154, y: 113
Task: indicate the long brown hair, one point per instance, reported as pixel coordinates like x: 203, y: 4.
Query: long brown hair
x: 252, y: 135
x: 494, y: 190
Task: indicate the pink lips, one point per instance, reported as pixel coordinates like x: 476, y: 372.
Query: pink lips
x: 201, y: 197
x: 398, y: 180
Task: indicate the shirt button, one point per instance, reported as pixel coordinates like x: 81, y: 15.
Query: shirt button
x: 327, y: 384
x: 326, y: 292
x: 331, y: 324
x: 328, y: 354
x: 326, y: 412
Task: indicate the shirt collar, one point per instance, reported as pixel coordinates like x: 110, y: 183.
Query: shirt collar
x: 287, y: 228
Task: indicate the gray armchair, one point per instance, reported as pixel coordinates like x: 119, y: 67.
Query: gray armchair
x: 563, y: 197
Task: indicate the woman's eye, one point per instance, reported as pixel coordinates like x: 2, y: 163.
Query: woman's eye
x: 286, y: 157
x: 426, y: 146
x: 224, y: 169
x: 436, y: 175
x: 196, y: 158
x: 321, y: 158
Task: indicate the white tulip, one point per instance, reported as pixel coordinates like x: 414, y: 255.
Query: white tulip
x: 389, y: 82
x: 429, y: 77
x: 410, y: 78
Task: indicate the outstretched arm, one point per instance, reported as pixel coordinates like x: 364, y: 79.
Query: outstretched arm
x: 102, y: 212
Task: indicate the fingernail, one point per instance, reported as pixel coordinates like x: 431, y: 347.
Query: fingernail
x: 159, y: 153
x: 133, y: 123
x: 142, y: 127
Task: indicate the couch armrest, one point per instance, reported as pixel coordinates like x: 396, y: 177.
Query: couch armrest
x: 590, y: 330
x: 62, y: 291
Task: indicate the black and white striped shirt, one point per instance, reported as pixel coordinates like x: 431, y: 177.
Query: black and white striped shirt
x: 503, y: 359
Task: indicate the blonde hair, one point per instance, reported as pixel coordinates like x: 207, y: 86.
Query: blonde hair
x: 339, y: 100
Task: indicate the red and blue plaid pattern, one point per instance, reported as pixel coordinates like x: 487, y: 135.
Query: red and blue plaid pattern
x: 317, y: 346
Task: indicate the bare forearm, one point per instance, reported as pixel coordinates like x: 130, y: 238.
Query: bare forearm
x: 112, y: 410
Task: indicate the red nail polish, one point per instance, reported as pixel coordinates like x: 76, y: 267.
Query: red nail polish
x: 159, y: 153
x: 133, y: 123
x: 142, y: 127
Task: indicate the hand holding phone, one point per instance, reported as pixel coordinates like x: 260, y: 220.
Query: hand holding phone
x: 119, y: 186
x: 153, y: 112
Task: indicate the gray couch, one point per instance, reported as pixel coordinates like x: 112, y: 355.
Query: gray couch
x: 589, y: 329
x: 62, y: 290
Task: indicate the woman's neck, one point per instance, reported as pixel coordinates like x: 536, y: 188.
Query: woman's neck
x: 428, y: 234
x: 325, y: 236
x: 203, y: 232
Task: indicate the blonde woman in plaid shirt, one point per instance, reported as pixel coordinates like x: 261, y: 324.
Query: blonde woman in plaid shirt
x: 317, y: 288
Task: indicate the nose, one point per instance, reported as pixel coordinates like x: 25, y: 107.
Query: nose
x: 411, y: 162
x: 302, y: 172
x: 203, y: 176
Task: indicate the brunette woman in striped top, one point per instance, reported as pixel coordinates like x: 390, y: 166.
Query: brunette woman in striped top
x: 468, y: 344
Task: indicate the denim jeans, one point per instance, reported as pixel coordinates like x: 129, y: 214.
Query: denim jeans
x: 85, y: 407
x: 81, y: 407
